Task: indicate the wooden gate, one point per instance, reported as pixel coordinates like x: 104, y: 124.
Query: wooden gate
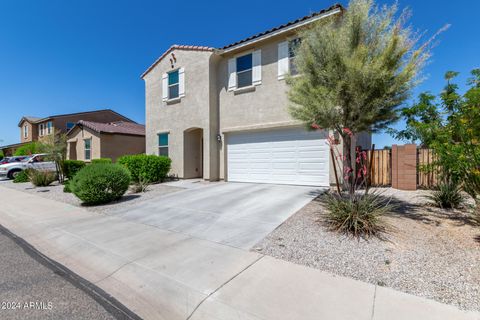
x: 381, y: 169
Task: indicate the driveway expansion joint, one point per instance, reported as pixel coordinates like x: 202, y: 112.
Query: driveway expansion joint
x: 374, y: 300
x: 223, y: 285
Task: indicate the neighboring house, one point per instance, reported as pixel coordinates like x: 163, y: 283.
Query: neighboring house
x: 223, y: 113
x: 38, y: 129
x: 89, y: 140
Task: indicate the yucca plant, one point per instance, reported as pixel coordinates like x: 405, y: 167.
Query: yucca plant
x: 360, y: 216
x: 447, y: 195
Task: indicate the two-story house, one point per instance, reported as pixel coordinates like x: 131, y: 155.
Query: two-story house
x: 37, y: 129
x: 223, y: 113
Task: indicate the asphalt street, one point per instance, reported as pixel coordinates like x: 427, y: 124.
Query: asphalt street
x: 31, y: 290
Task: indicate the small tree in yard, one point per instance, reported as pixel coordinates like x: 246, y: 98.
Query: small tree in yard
x: 454, y: 136
x: 356, y: 70
x: 28, y: 149
x: 56, y: 148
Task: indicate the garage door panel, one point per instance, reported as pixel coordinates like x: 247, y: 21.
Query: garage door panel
x: 290, y: 156
x: 284, y: 165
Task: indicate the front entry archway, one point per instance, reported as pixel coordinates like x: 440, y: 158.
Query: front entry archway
x: 193, y: 153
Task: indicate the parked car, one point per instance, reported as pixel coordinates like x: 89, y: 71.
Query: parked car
x: 12, y: 159
x: 37, y: 162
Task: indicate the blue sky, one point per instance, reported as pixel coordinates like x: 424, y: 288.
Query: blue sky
x: 70, y: 56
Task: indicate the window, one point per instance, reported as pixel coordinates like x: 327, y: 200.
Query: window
x: 25, y: 131
x: 49, y: 127
x: 88, y: 149
x: 244, y: 71
x: 173, y: 85
x: 40, y: 129
x: 293, y: 46
x: 70, y: 125
x: 163, y: 144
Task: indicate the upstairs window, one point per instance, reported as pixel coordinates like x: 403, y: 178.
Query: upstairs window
x: 25, y: 131
x: 293, y: 46
x: 88, y: 149
x: 163, y: 144
x: 41, y: 129
x: 173, y: 85
x: 244, y: 71
x: 70, y: 125
x: 49, y: 127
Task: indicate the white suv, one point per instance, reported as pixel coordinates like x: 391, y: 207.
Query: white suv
x: 37, y: 162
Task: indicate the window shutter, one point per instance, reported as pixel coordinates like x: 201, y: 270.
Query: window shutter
x: 232, y: 74
x: 165, y: 87
x: 282, y: 59
x: 257, y: 67
x: 181, y: 82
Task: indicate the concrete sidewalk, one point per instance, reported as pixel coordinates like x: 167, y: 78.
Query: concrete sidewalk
x: 160, y: 274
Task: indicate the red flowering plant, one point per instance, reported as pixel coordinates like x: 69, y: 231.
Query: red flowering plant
x: 357, y: 212
x: 355, y: 173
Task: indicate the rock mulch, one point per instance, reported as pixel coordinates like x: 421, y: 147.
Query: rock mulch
x: 430, y: 252
x: 55, y: 192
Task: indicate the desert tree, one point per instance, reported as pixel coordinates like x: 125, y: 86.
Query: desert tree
x: 356, y: 70
x: 55, y: 145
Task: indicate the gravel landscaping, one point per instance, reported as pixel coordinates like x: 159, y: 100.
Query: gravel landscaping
x: 430, y: 252
x: 55, y: 192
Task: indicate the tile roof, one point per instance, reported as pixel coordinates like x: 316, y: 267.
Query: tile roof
x: 177, y: 47
x: 119, y: 127
x: 31, y: 119
x: 285, y: 25
x: 28, y: 119
x: 278, y: 28
x: 38, y: 120
x: 87, y: 112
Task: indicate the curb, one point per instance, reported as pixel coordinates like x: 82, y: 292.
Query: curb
x: 108, y: 302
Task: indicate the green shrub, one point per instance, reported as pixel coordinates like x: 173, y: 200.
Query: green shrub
x: 21, y: 177
x: 101, y: 160
x: 149, y: 168
x: 71, y: 167
x: 40, y: 178
x: 100, y: 183
x: 28, y: 149
x: 360, y: 216
x: 66, y: 187
x: 447, y: 195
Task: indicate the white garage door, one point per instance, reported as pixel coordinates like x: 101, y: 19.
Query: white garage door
x: 283, y: 156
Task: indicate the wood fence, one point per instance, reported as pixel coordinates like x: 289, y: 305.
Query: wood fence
x: 381, y: 168
x: 381, y: 174
x: 425, y: 158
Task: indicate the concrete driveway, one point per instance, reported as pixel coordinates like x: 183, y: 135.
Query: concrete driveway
x: 235, y: 214
x: 168, y: 275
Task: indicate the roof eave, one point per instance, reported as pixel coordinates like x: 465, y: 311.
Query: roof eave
x: 281, y: 31
x: 123, y: 133
x: 175, y: 47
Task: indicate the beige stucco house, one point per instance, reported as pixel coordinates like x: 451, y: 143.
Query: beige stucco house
x: 42, y: 129
x: 223, y: 113
x: 89, y: 140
